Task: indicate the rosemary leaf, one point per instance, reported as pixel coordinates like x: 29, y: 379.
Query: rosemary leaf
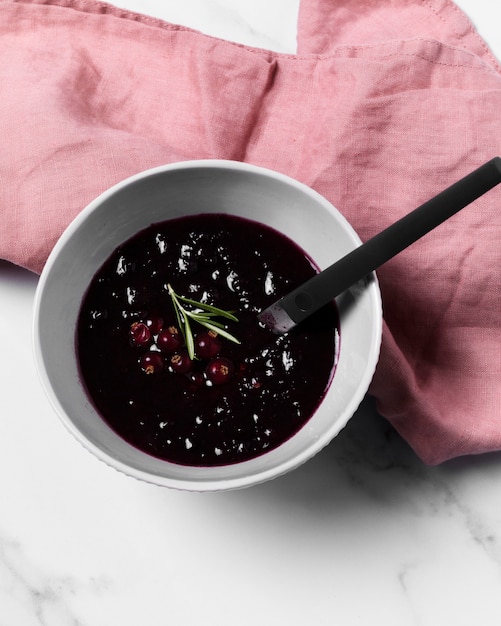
x: 201, y: 313
x: 214, y: 310
x: 221, y: 331
x: 188, y: 337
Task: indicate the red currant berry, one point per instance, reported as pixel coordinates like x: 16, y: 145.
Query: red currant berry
x: 181, y: 363
x: 139, y: 334
x: 151, y: 363
x: 154, y: 323
x: 220, y: 371
x: 169, y: 340
x: 197, y: 378
x: 207, y: 345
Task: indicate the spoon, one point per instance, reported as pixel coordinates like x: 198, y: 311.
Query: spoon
x: 286, y: 313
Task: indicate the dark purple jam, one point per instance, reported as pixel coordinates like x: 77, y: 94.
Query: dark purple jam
x: 233, y: 402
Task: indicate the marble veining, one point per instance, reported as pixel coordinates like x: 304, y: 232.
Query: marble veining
x: 439, y: 497
x: 28, y: 594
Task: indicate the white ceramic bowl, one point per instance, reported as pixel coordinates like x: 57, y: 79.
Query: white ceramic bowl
x: 171, y: 191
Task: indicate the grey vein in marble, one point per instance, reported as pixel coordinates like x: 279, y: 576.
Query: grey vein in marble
x: 30, y: 596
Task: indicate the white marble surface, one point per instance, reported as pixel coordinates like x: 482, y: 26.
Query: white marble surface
x: 362, y: 534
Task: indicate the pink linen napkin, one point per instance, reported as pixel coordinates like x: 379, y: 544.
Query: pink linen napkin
x: 384, y: 105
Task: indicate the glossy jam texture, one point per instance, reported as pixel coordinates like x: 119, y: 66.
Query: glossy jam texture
x: 275, y: 382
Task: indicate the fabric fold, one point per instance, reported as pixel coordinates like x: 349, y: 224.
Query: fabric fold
x: 324, y: 25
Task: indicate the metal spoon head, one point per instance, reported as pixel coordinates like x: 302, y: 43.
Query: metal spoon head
x: 276, y: 319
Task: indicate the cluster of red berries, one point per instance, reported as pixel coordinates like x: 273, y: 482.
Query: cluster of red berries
x: 166, y: 349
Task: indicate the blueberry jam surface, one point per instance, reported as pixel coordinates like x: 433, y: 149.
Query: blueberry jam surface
x: 232, y: 402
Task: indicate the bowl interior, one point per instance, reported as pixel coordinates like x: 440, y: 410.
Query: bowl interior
x: 186, y: 189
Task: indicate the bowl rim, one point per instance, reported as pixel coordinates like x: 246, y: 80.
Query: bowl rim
x: 209, y: 484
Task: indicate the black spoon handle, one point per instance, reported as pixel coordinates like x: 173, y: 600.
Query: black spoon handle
x: 329, y: 283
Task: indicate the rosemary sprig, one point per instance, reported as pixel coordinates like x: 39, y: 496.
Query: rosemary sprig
x: 201, y: 313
